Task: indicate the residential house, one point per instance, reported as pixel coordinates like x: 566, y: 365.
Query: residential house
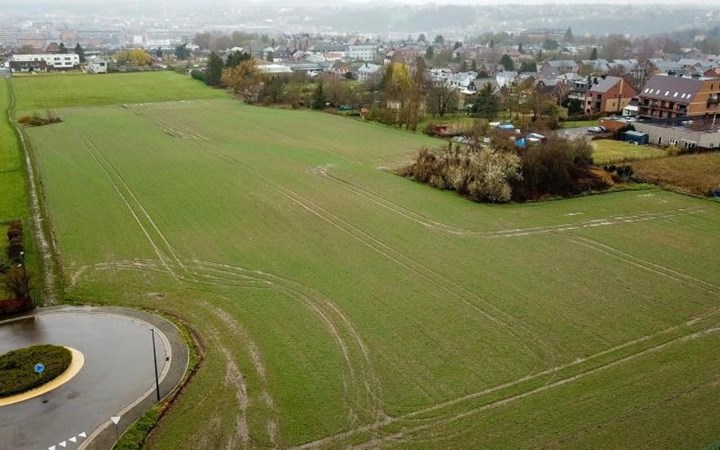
x: 463, y: 82
x: 55, y: 61
x: 558, y: 67
x: 28, y: 66
x: 552, y: 88
x: 505, y: 78
x: 52, y: 47
x: 97, y: 65
x: 671, y: 96
x: 368, y: 72
x: 440, y: 75
x: 362, y: 52
x: 608, y: 94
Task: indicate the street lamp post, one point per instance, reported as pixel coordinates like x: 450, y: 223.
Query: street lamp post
x: 157, y: 383
x: 25, y: 274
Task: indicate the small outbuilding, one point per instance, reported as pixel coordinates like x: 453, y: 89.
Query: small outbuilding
x: 98, y: 66
x: 635, y: 136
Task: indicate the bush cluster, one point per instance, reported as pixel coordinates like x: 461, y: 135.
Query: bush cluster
x: 15, y: 277
x: 480, y: 174
x: 15, y: 242
x: 623, y: 172
x: 17, y: 368
x: 501, y: 172
x: 37, y: 121
x: 553, y: 168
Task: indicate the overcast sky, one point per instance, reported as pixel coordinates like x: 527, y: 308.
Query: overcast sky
x: 60, y: 3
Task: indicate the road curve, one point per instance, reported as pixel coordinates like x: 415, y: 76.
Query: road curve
x: 118, y: 378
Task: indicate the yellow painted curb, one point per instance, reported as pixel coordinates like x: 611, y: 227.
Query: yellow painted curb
x: 76, y: 363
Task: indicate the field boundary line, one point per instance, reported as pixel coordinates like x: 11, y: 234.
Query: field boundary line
x: 39, y: 216
x: 441, y: 227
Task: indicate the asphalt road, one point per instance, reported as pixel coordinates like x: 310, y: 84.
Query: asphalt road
x: 118, y: 371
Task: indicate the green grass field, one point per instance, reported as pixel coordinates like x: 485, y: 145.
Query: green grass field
x: 342, y: 305
x: 12, y: 181
x: 608, y: 151
x: 53, y: 91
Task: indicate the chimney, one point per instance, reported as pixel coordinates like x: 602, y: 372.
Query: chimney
x: 595, y: 81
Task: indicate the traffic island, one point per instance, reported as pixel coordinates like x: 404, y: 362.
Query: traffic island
x: 32, y: 371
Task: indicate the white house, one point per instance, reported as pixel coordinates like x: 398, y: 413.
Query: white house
x: 274, y: 68
x: 463, y: 82
x: 98, y: 65
x: 368, y: 71
x: 362, y: 52
x: 56, y: 61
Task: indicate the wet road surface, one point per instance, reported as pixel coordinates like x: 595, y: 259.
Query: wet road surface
x: 118, y: 370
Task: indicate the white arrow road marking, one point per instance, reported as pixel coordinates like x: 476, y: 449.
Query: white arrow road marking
x: 115, y: 419
x: 73, y: 439
x: 63, y: 444
x: 82, y: 435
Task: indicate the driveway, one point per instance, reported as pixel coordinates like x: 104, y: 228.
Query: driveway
x: 118, y: 372
x: 574, y: 132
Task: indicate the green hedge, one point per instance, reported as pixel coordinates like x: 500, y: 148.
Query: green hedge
x: 17, y: 367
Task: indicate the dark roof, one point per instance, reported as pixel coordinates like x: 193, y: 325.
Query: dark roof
x: 672, y: 88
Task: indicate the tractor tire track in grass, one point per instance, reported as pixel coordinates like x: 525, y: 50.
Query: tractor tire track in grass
x: 645, y: 264
x: 434, y: 278
x: 433, y: 416
x: 185, y: 274
x: 119, y: 178
x: 95, y: 153
x: 445, y: 421
x: 337, y: 322
x: 441, y: 227
x: 240, y: 334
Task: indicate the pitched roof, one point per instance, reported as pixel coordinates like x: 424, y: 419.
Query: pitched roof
x: 672, y: 88
x: 604, y: 85
x: 561, y: 63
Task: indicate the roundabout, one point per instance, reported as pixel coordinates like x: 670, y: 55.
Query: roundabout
x: 63, y: 373
x: 115, y: 353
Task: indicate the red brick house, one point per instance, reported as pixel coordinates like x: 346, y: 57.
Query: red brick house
x: 608, y: 95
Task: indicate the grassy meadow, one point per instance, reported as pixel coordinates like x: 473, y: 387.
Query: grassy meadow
x: 607, y: 151
x: 52, y: 91
x: 698, y: 174
x: 341, y: 305
x: 12, y: 172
